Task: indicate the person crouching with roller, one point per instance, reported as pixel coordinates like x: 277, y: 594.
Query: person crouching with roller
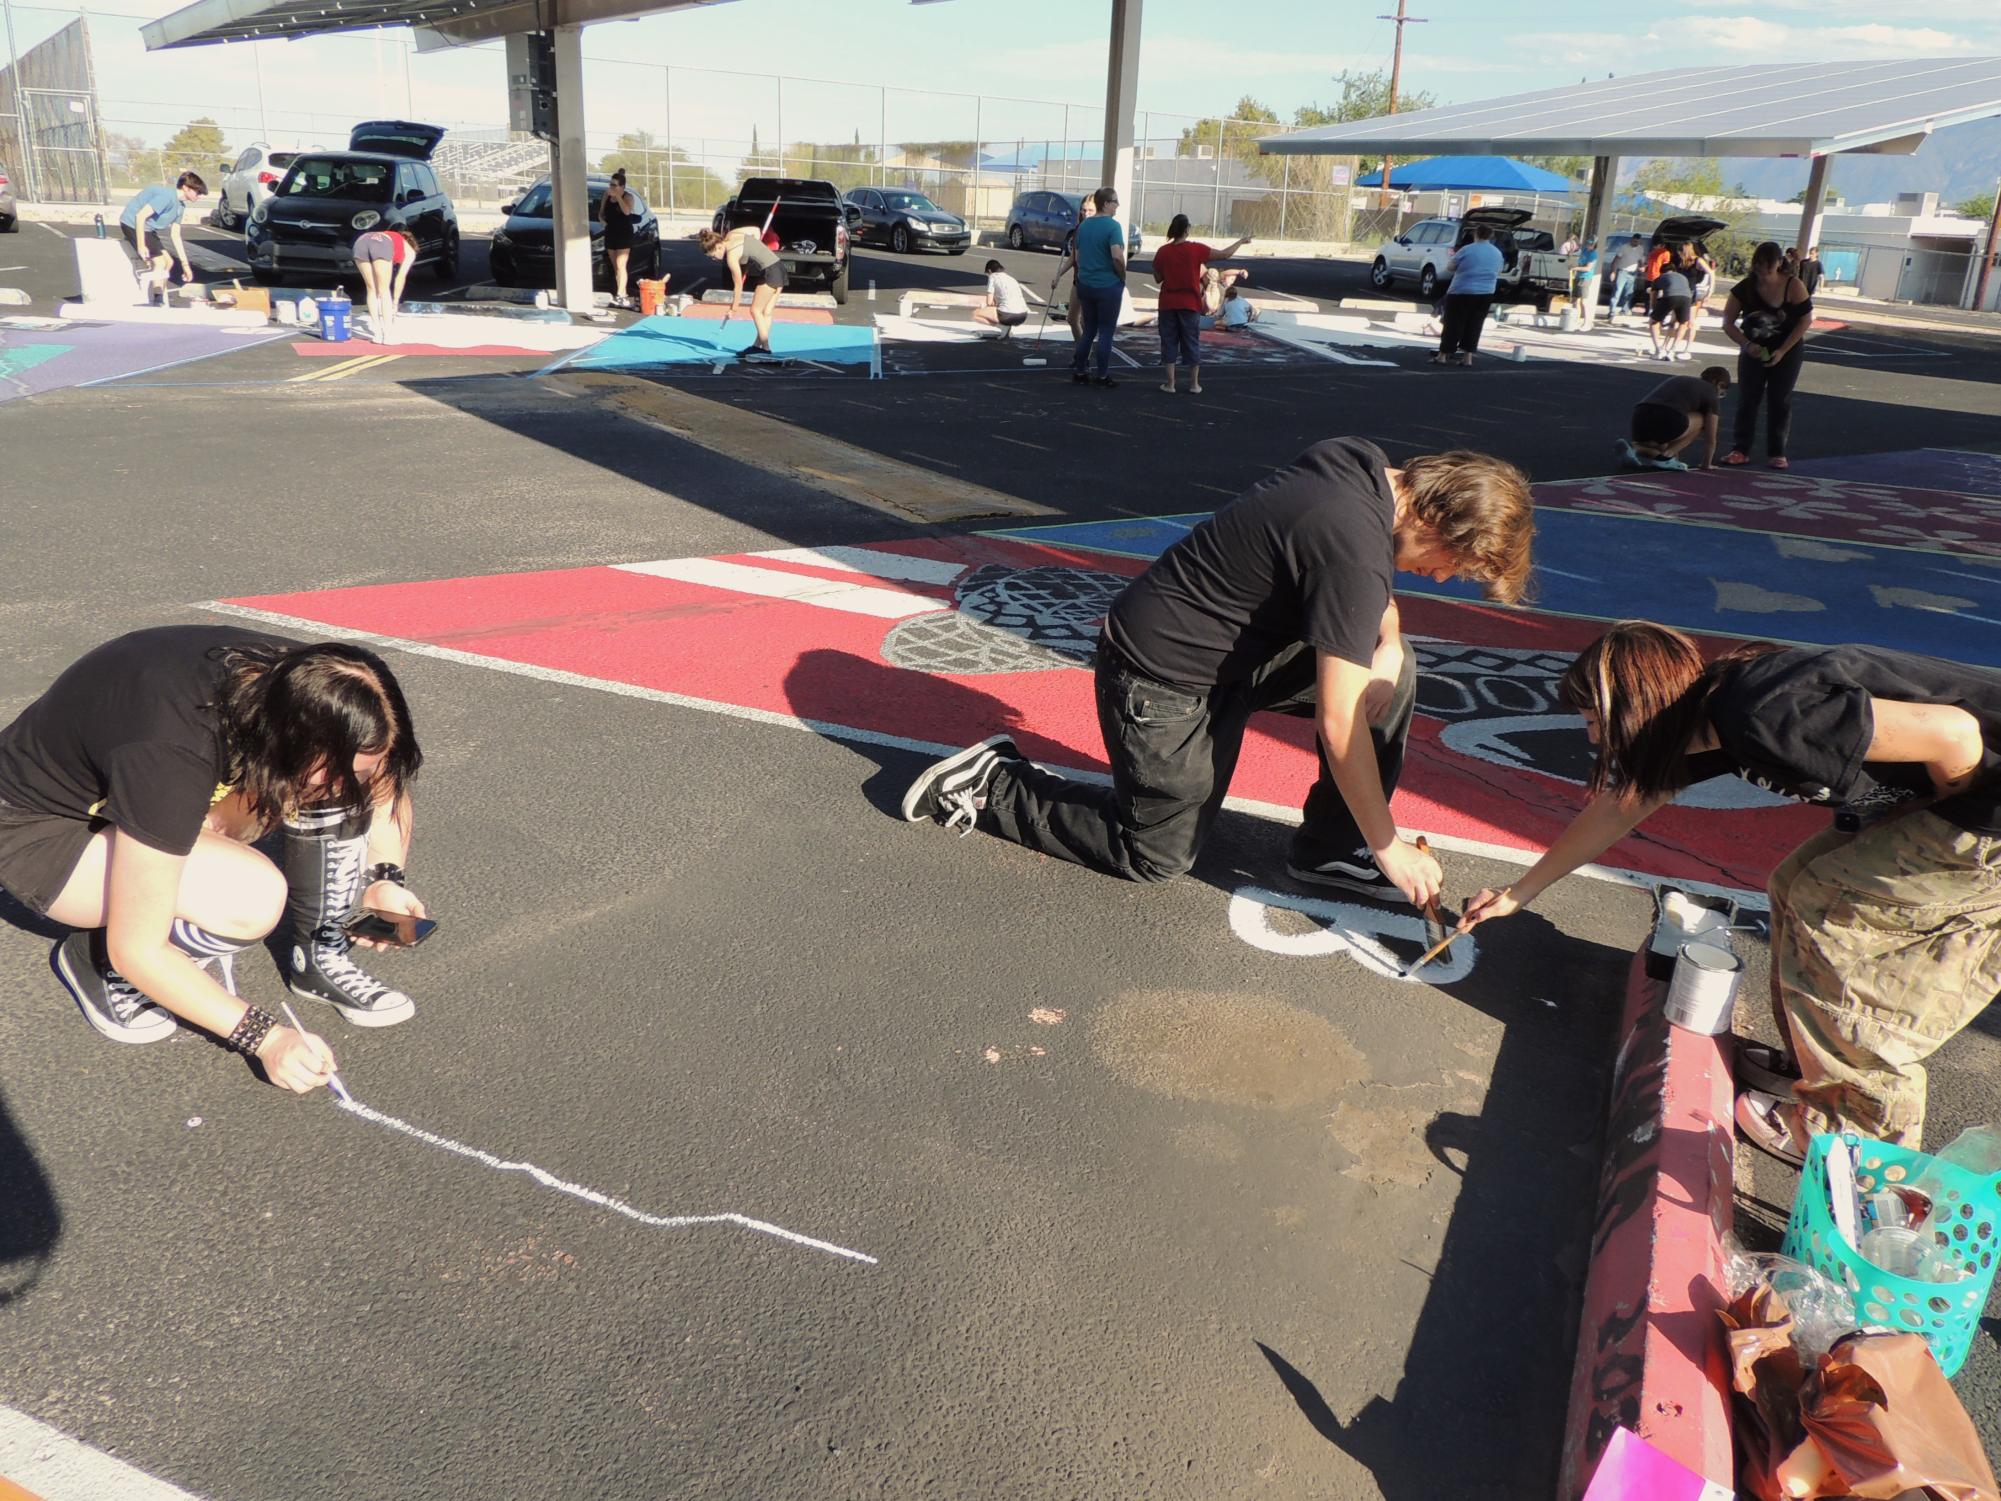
x: 743, y: 250
x: 131, y: 790
x: 1886, y: 927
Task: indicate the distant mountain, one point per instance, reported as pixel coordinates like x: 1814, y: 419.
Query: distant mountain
x: 1958, y: 163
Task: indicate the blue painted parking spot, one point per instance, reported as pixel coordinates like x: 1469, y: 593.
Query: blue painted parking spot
x: 1958, y: 470
x: 1135, y: 537
x: 1739, y: 584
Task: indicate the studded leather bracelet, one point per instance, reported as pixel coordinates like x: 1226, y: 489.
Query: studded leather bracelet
x: 250, y: 1033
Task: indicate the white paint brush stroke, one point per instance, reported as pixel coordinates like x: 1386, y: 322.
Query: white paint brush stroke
x: 591, y: 1195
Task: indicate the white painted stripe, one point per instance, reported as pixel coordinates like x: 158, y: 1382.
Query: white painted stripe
x: 56, y: 1467
x: 547, y: 1179
x: 855, y: 599
x: 320, y: 631
x: 881, y: 565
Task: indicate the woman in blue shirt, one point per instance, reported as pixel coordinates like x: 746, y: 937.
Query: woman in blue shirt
x: 1476, y: 271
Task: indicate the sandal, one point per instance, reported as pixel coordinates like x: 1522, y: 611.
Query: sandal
x: 1766, y: 1069
x: 1778, y: 463
x: 1761, y: 1120
x: 1735, y: 457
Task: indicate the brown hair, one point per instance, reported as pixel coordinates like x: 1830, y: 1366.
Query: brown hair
x: 1718, y: 375
x: 1767, y: 257
x: 708, y: 239
x: 1649, y: 689
x: 1482, y: 232
x: 1479, y: 507
x: 409, y: 238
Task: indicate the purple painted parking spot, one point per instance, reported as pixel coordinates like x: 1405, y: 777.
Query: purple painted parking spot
x: 109, y: 351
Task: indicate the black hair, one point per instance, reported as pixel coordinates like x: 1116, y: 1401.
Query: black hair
x: 289, y: 712
x: 192, y: 180
x: 993, y: 266
x: 619, y: 177
x: 1177, y: 226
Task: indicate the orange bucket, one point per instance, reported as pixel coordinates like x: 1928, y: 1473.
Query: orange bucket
x: 652, y: 297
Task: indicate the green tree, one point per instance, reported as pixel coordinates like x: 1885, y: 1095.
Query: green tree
x: 850, y: 165
x: 1363, y: 96
x: 663, y: 176
x: 1828, y: 196
x: 1980, y: 206
x: 1698, y: 181
x: 196, y: 146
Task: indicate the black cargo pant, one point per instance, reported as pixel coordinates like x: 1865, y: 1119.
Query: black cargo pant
x: 1173, y: 751
x: 1770, y: 386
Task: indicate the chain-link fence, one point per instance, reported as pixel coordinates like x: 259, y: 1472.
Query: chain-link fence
x: 688, y: 135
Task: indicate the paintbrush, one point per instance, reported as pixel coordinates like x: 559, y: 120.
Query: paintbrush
x: 1434, y: 924
x: 1434, y: 951
x: 333, y: 1080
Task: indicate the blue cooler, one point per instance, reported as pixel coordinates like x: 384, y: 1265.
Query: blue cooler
x: 334, y: 315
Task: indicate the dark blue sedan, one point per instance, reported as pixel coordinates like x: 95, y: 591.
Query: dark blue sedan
x: 523, y: 254
x: 1043, y: 221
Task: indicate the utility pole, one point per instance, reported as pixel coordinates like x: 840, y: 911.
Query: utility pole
x: 1396, y: 78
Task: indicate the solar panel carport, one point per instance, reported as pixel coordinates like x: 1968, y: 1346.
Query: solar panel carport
x: 1816, y: 110
x: 451, y: 23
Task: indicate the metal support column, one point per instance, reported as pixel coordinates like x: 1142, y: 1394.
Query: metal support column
x: 1816, y: 193
x: 569, y: 179
x: 1121, y: 90
x: 1598, y: 208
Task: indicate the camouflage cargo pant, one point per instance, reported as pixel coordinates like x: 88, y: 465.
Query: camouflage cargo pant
x: 1884, y: 945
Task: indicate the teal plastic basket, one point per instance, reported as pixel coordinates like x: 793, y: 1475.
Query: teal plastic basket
x: 1946, y: 1313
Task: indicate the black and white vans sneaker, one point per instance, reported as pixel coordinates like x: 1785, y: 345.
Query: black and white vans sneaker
x: 322, y: 971
x: 1358, y: 873
x: 110, y: 1002
x: 950, y: 791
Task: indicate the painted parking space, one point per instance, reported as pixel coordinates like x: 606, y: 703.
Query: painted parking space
x: 34, y: 361
x: 940, y: 642
x: 1961, y: 471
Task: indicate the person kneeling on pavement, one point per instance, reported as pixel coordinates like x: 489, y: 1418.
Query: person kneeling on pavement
x: 1886, y: 926
x: 1281, y: 600
x: 130, y: 793
x: 1667, y: 419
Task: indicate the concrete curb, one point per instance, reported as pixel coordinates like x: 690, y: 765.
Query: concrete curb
x: 1650, y: 1350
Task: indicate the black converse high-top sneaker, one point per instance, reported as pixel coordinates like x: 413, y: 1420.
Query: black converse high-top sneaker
x: 110, y: 1002
x: 326, y: 854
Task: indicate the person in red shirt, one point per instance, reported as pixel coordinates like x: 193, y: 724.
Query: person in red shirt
x: 1177, y: 267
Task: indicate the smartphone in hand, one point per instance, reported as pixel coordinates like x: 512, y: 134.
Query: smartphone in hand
x: 397, y: 929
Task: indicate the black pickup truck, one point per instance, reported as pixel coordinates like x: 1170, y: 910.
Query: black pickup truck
x: 812, y: 225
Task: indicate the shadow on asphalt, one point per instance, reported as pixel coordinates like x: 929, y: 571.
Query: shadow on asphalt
x: 1495, y: 1338
x: 32, y: 1223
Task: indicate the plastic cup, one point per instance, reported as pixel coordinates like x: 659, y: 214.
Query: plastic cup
x: 1896, y: 1249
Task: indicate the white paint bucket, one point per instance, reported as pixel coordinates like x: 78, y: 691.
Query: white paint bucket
x: 1704, y: 992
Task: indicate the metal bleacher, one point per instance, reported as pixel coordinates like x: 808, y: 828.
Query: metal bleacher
x: 477, y: 166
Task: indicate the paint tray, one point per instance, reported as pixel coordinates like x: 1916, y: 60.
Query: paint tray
x: 1964, y: 1217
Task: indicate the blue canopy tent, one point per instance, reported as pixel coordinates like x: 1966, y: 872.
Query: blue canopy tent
x: 1493, y: 174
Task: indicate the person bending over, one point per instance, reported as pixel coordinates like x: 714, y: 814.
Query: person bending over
x: 1667, y: 310
x: 1280, y: 601
x: 1886, y: 926
x: 743, y: 250
x: 384, y: 258
x: 147, y: 214
x: 130, y: 793
x: 1006, y: 306
x: 1668, y: 418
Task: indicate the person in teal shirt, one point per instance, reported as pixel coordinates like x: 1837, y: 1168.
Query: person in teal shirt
x: 152, y: 213
x: 1101, y: 285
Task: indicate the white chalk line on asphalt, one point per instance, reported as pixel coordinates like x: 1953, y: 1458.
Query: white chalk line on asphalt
x: 50, y: 1464
x: 1276, y: 812
x: 591, y: 1195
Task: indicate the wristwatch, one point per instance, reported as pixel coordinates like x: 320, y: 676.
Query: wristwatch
x: 386, y: 871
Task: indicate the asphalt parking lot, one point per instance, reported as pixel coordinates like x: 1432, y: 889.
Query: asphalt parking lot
x: 1170, y: 1192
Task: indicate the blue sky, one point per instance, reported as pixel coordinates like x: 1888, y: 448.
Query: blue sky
x: 1283, y: 52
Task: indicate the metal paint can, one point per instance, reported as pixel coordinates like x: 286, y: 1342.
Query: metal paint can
x: 1703, y: 994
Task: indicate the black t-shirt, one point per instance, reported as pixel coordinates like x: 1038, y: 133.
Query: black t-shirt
x: 1763, y: 324
x: 129, y: 734
x: 1305, y: 555
x: 1798, y: 722
x: 1690, y: 395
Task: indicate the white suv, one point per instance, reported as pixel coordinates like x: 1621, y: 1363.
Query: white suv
x: 1419, y: 254
x: 253, y: 177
